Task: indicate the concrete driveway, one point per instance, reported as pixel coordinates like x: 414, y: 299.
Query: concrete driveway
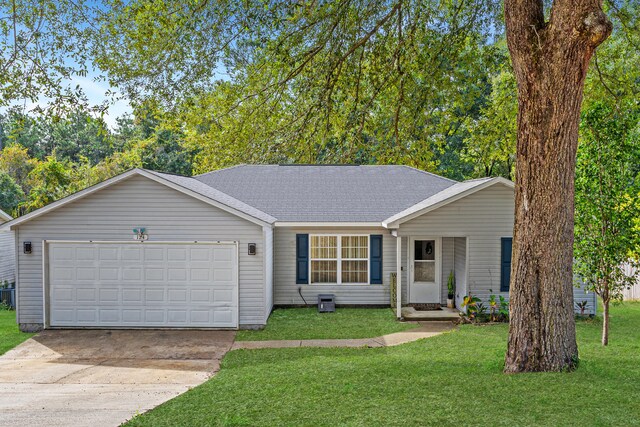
x: 103, y: 378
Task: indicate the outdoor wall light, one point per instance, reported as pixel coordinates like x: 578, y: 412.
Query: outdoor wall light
x: 26, y: 246
x: 252, y: 249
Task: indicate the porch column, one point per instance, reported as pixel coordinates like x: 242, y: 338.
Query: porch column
x: 398, y: 276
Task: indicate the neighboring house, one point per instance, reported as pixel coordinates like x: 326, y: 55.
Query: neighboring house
x: 7, y: 252
x: 221, y: 249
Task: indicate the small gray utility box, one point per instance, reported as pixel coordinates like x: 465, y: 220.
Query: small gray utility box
x: 326, y: 303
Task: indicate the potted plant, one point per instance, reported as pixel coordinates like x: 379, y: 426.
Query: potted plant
x: 451, y: 289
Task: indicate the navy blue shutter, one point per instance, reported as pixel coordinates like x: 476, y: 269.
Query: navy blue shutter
x: 375, y: 259
x: 505, y: 264
x: 302, y: 259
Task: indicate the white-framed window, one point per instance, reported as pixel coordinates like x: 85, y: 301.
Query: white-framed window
x: 339, y: 259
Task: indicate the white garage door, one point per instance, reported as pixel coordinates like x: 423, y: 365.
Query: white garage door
x: 143, y: 284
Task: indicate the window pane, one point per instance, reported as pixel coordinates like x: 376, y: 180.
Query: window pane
x: 324, y: 271
x: 324, y: 247
x: 424, y: 271
x: 355, y: 272
x: 355, y: 247
x: 425, y: 250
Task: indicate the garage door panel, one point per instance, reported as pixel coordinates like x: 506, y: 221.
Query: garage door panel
x: 131, y: 274
x: 61, y: 274
x: 87, y: 315
x: 176, y: 254
x: 177, y: 274
x: 154, y: 274
x: 85, y: 295
x: 85, y: 254
x: 108, y: 253
x: 109, y: 315
x: 109, y: 274
x: 132, y: 296
x: 154, y: 316
x: 143, y: 285
x: 177, y: 295
x: 132, y: 316
x: 131, y: 254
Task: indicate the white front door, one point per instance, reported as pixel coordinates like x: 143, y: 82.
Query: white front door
x: 424, y: 285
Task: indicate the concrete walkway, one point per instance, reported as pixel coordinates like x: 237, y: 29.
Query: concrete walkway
x: 103, y: 378
x: 425, y: 330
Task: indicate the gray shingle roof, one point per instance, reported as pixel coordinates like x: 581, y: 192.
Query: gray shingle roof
x: 215, y: 195
x: 300, y: 193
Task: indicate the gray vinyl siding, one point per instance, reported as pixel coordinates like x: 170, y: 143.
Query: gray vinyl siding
x: 483, y: 218
x: 7, y: 256
x: 167, y: 214
x: 580, y: 294
x: 286, y: 289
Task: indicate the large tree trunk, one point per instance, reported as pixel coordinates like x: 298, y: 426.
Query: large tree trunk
x: 605, y: 323
x: 550, y: 61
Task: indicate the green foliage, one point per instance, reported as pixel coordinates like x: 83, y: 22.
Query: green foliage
x: 49, y: 181
x: 491, y: 143
x: 11, y: 195
x: 43, y: 47
x: 582, y: 306
x: 477, y: 312
x: 159, y: 146
x: 327, y: 82
x: 451, y: 285
x: 607, y: 197
x: 16, y: 162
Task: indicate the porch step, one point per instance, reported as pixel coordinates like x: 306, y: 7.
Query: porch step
x: 444, y: 314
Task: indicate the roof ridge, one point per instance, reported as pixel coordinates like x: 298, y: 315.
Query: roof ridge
x: 222, y: 169
x: 427, y: 173
x: 480, y: 179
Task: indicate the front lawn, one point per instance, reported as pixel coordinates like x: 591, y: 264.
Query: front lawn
x: 452, y: 379
x: 307, y: 323
x: 10, y: 335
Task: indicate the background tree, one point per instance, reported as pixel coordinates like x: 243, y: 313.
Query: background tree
x: 16, y: 162
x: 43, y: 47
x: 11, y: 195
x: 491, y: 139
x: 608, y: 201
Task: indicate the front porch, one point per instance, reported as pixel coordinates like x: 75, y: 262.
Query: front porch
x: 423, y: 266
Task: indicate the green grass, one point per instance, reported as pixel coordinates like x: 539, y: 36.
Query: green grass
x: 307, y: 323
x: 452, y: 379
x: 10, y: 335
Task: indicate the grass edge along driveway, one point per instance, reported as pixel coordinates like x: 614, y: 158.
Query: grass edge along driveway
x: 10, y: 335
x: 451, y: 379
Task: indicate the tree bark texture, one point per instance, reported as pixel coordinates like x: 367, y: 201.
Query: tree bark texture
x: 550, y: 61
x: 605, y: 323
